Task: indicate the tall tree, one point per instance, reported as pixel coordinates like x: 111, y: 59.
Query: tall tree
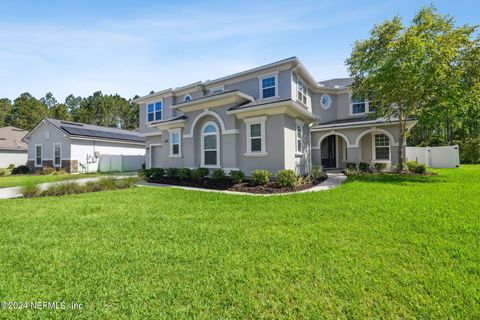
x: 28, y: 111
x: 412, y: 71
x: 5, y: 112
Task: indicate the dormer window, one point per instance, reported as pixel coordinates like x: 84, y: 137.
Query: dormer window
x: 217, y: 90
x: 301, y: 92
x: 187, y: 97
x: 268, y: 86
x: 155, y: 111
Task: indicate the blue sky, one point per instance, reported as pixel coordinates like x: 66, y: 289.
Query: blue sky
x: 132, y: 47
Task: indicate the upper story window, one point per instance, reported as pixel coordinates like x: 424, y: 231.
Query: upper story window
x: 382, y: 147
x: 187, y: 97
x: 358, y: 106
x: 301, y: 92
x: 154, y: 111
x: 326, y: 101
x: 268, y: 86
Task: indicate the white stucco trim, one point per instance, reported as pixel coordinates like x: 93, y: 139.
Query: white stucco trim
x: 151, y: 134
x: 208, y: 112
x: 376, y: 130
x: 345, y: 138
x: 61, y: 158
x: 202, y: 143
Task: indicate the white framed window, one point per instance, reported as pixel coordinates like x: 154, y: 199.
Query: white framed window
x: 299, y: 137
x: 301, y: 92
x: 256, y: 141
x: 358, y: 106
x: 175, y: 143
x: 268, y: 86
x: 210, y: 145
x: 381, y: 146
x: 155, y: 111
x: 187, y: 98
x: 217, y: 90
x: 57, y: 154
x: 38, y: 155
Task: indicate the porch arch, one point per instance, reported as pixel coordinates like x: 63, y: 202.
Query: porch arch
x: 208, y: 112
x: 376, y: 130
x: 332, y: 133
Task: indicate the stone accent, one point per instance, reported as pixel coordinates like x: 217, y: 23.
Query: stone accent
x: 71, y: 166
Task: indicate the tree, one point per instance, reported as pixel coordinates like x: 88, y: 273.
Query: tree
x: 413, y: 71
x: 5, y: 112
x: 28, y: 111
x: 60, y: 111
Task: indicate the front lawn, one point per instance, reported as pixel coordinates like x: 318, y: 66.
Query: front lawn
x: 376, y: 247
x: 21, y: 180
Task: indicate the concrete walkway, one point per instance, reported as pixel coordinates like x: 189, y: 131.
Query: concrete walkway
x: 334, y: 180
x: 16, y: 192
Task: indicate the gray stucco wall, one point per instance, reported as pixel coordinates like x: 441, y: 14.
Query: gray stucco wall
x: 55, y: 136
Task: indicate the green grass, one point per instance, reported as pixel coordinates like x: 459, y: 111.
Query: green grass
x: 376, y: 247
x: 22, y: 180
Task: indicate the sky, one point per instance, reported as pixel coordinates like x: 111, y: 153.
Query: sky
x: 133, y: 47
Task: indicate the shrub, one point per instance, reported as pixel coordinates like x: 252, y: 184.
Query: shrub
x: 30, y: 190
x: 157, y: 173
x: 218, y: 175
x: 62, y: 188
x: 47, y: 170
x: 199, y: 174
x: 351, y: 166
x: 107, y: 183
x: 91, y: 186
x: 380, y: 166
x: 363, y: 166
x: 21, y: 170
x: 470, y: 151
x: 304, y: 180
x: 60, y: 172
x: 286, y: 178
x: 3, y: 172
x: 317, y: 173
x: 185, y: 173
x: 237, y: 176
x: 172, y: 172
x: 144, y: 173
x: 415, y: 167
x: 260, y: 177
x: 126, y: 183
x: 11, y: 166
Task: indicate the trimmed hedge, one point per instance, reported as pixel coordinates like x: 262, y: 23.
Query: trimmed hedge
x: 237, y: 176
x: 260, y: 177
x: 416, y: 167
x: 218, y: 175
x: 286, y: 178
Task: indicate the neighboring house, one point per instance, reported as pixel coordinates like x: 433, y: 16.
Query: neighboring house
x: 13, y: 150
x: 272, y: 117
x: 77, y: 147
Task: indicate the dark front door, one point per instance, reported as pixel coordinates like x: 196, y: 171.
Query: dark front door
x: 329, y: 152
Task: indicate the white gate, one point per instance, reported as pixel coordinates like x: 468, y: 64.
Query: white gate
x: 111, y: 162
x: 435, y: 157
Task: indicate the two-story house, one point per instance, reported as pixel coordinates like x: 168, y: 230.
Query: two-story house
x: 272, y: 117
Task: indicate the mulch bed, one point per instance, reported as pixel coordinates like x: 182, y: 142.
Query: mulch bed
x: 228, y: 184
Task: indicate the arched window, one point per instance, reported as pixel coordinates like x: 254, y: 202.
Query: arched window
x: 210, y: 145
x: 187, y: 98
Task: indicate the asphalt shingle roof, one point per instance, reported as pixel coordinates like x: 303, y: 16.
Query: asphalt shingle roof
x: 11, y: 138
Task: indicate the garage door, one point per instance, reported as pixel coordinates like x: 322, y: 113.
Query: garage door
x: 156, y: 156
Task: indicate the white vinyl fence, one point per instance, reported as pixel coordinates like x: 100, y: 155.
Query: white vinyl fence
x: 435, y: 157
x: 108, y: 163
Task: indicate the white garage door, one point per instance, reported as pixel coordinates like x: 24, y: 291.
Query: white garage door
x: 156, y: 156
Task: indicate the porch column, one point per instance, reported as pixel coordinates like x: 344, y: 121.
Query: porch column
x: 353, y: 154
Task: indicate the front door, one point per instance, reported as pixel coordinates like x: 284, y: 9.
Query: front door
x: 329, y: 152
